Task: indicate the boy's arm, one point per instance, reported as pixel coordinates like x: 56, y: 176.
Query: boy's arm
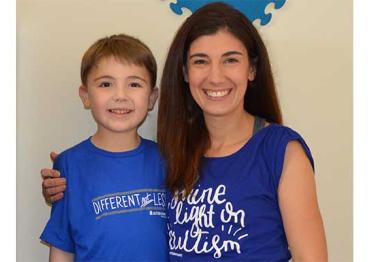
x: 58, y: 255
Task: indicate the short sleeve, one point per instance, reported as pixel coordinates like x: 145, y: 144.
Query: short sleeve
x: 279, y: 142
x: 57, y: 230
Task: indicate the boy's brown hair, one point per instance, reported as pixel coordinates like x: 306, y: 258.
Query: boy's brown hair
x: 124, y: 48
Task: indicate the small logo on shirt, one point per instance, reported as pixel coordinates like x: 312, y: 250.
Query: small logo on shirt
x: 158, y: 213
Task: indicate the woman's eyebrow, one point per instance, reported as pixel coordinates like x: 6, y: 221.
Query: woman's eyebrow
x: 228, y: 53
x: 232, y: 53
x: 198, y: 55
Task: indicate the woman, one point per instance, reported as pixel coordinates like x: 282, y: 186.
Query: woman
x: 241, y: 188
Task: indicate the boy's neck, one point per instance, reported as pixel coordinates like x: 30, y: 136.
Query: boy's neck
x: 116, y: 142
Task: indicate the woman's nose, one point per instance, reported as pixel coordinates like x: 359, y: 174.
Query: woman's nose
x: 216, y: 74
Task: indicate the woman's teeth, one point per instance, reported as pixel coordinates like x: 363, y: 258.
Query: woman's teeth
x: 220, y: 93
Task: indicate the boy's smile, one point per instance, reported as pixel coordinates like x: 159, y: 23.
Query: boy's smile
x: 119, y: 111
x: 119, y: 95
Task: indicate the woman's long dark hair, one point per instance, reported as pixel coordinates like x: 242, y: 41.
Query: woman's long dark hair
x: 182, y: 134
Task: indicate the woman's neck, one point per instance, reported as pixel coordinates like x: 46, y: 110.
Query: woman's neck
x: 228, y: 134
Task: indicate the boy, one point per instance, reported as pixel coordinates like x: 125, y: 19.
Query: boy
x: 114, y: 205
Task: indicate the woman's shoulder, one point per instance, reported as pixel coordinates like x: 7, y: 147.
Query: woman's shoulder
x: 276, y: 139
x: 272, y: 131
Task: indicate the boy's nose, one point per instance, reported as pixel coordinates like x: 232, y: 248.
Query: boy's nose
x: 120, y: 94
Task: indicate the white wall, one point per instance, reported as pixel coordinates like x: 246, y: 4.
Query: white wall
x: 310, y: 44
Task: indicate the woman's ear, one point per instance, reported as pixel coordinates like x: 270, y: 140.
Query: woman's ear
x: 84, y: 96
x: 153, y: 98
x: 252, y: 73
x: 185, y: 73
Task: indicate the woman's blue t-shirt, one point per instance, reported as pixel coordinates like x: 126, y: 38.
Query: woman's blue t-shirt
x: 232, y: 213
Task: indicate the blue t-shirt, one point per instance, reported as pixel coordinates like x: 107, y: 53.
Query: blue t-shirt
x: 233, y: 212
x: 114, y: 205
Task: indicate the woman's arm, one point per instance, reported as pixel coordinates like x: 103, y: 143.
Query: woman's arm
x: 59, y: 255
x: 299, y: 207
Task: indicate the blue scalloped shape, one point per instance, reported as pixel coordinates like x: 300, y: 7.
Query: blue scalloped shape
x: 253, y: 9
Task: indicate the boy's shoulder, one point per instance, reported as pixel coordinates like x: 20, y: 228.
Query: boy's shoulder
x: 78, y: 150
x: 149, y: 144
x: 151, y: 148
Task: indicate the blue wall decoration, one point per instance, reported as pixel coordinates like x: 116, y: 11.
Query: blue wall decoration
x: 253, y: 9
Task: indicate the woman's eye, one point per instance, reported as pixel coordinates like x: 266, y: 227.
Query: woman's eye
x: 199, y: 62
x: 135, y: 84
x: 105, y: 84
x: 231, y: 60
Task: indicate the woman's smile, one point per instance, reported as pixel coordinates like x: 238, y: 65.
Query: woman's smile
x: 217, y: 93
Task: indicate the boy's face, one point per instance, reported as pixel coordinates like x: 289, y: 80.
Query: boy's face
x: 119, y: 95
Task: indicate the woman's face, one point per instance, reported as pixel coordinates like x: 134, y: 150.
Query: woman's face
x: 218, y: 71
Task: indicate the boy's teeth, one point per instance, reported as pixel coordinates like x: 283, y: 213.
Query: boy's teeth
x: 120, y: 111
x: 213, y: 93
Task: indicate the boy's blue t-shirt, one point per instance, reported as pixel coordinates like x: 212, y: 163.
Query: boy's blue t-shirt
x: 233, y: 212
x: 114, y: 205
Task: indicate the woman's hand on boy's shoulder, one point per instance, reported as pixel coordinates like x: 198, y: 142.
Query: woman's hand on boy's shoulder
x: 53, y: 185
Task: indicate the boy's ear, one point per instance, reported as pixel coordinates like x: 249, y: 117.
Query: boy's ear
x: 153, y: 98
x: 84, y: 96
x: 185, y: 73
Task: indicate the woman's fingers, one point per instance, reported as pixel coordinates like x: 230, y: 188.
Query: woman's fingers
x: 53, y: 156
x: 53, y: 185
x: 50, y: 191
x: 49, y: 173
x: 54, y: 198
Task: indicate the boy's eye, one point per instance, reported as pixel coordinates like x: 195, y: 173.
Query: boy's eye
x: 135, y: 85
x: 105, y: 84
